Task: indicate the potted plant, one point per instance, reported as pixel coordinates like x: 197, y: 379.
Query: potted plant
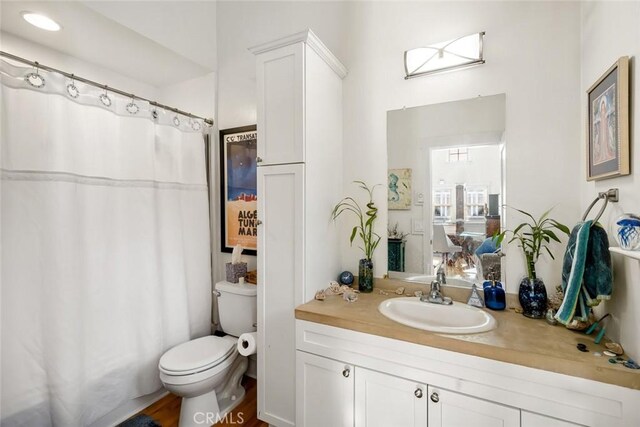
x: 364, y: 229
x: 533, y: 237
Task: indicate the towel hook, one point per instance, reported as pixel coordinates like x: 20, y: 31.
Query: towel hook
x: 610, y: 195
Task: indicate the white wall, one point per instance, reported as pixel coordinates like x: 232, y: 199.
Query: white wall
x: 532, y: 53
x: 611, y: 30
x: 35, y: 52
x: 196, y: 96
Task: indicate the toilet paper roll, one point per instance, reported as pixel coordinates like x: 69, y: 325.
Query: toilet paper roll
x: 247, y: 344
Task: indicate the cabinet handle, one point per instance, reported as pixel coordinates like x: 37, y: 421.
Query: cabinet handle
x: 434, y: 397
x: 418, y: 393
x: 258, y: 222
x: 346, y: 372
x: 258, y: 159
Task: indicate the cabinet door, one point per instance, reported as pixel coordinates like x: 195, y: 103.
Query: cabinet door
x: 385, y: 400
x: 451, y: 409
x: 280, y: 98
x: 529, y: 419
x: 325, y: 391
x: 280, y: 263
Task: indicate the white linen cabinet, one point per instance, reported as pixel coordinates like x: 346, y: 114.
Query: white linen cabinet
x: 299, y: 101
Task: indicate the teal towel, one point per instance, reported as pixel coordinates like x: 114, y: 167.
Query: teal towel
x: 587, y: 276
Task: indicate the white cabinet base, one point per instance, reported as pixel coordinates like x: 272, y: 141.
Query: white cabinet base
x: 471, y: 390
x: 385, y: 400
x: 449, y: 409
x: 325, y: 392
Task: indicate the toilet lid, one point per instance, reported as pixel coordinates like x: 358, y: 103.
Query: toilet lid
x: 202, y: 352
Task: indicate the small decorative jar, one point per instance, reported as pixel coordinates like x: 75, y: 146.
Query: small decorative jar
x: 628, y: 234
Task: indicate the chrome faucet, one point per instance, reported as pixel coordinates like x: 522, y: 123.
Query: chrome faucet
x: 441, y: 275
x: 435, y: 295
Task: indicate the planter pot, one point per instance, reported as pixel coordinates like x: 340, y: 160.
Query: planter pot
x: 365, y: 275
x: 533, y: 298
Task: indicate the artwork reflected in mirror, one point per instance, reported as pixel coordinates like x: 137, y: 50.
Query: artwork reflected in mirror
x: 455, y: 152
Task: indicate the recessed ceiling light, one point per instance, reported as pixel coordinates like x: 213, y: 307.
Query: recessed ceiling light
x: 41, y: 21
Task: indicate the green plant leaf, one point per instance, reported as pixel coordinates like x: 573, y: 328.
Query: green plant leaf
x: 552, y: 235
x: 561, y: 227
x: 525, y: 213
x: 549, y: 252
x: 353, y: 234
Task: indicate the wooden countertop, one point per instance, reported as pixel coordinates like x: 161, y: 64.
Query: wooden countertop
x: 517, y: 339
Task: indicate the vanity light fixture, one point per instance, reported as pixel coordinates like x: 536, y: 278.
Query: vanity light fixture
x: 41, y: 21
x: 455, y: 54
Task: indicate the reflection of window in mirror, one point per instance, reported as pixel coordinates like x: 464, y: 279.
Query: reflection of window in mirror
x: 457, y: 155
x: 442, y: 204
x: 475, y: 206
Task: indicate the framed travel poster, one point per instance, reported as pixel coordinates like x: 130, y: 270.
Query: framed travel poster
x: 608, y: 123
x: 238, y: 189
x: 399, y: 189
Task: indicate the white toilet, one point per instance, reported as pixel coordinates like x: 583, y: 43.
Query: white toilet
x: 207, y: 371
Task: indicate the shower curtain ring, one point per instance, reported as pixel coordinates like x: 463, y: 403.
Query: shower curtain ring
x: 104, y: 98
x: 132, y: 107
x: 34, y: 78
x: 72, y: 90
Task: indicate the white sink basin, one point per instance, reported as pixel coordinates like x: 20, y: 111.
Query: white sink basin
x: 457, y: 318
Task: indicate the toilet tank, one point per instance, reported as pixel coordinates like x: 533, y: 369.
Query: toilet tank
x: 237, y: 307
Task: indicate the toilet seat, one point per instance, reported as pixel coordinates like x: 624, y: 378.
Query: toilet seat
x: 197, y: 355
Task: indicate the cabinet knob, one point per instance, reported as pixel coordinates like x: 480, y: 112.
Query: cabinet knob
x: 346, y: 372
x: 258, y: 222
x: 434, y: 397
x: 418, y: 393
x: 258, y: 159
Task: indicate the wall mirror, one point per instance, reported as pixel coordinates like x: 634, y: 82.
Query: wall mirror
x: 446, y: 187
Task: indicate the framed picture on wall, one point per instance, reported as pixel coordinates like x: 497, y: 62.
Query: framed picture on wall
x: 608, y: 123
x: 399, y: 188
x: 238, y: 189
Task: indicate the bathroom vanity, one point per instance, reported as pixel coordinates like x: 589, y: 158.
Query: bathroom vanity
x: 356, y: 367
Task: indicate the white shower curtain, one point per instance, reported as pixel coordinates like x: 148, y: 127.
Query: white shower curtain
x: 105, y: 253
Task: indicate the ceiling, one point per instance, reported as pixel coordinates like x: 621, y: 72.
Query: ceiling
x: 156, y: 42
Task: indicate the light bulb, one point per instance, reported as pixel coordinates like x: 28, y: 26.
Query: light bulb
x: 41, y: 21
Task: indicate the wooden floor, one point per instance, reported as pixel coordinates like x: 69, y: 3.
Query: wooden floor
x: 166, y: 411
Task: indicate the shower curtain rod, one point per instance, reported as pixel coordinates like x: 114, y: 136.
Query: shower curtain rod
x: 105, y: 87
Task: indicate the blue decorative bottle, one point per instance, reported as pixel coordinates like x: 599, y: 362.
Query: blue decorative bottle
x: 494, y: 296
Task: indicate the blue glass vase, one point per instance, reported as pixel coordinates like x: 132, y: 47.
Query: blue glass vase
x: 494, y: 296
x: 365, y: 275
x: 533, y: 297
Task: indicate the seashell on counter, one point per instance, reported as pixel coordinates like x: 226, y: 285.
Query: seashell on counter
x: 334, y: 288
x: 350, y: 296
x: 320, y: 295
x: 615, y: 348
